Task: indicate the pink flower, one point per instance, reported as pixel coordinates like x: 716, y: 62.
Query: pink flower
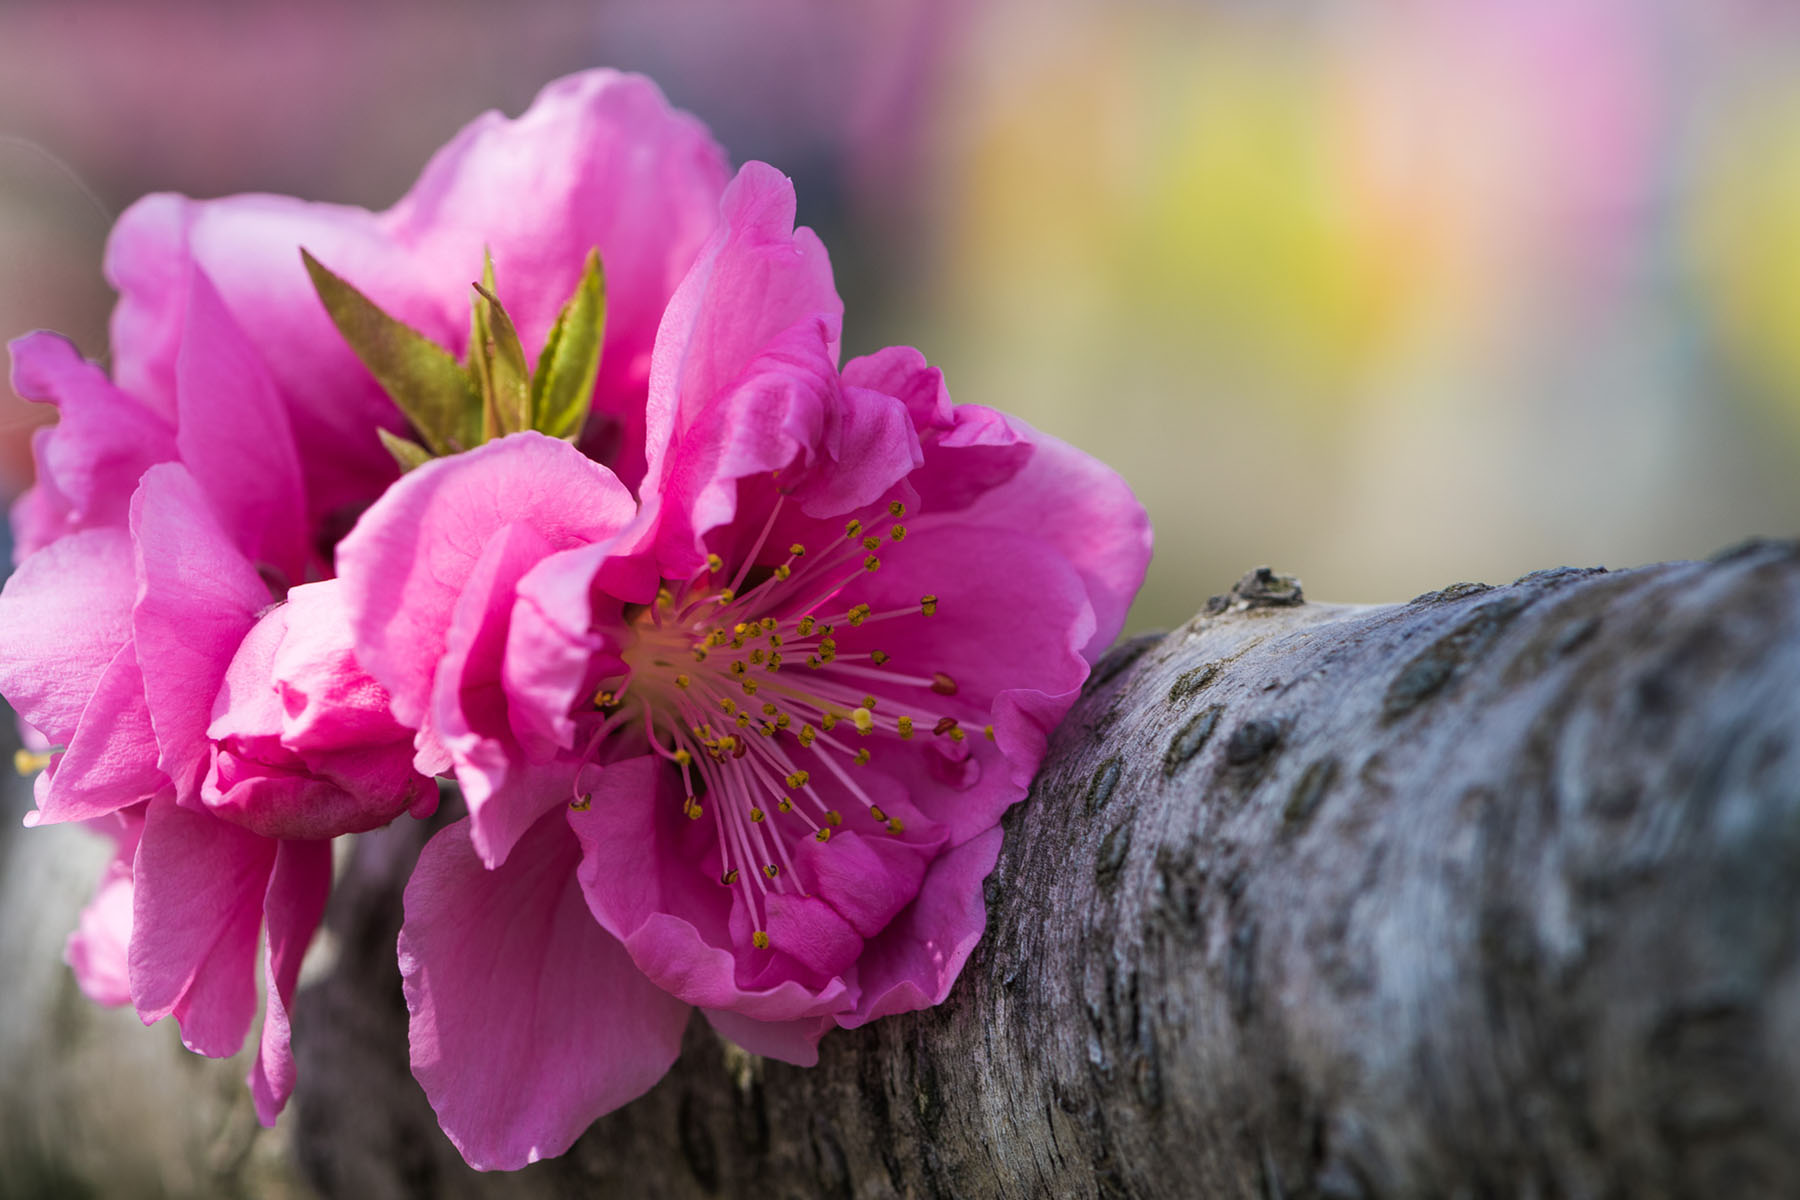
x: 745, y: 746
x: 174, y: 632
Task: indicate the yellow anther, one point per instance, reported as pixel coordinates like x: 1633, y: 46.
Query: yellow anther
x: 738, y: 667
x: 769, y: 710
x: 865, y: 720
x: 682, y: 681
x: 743, y: 720
x: 896, y: 509
x: 824, y: 834
x: 693, y: 809
x: 770, y: 624
x: 895, y: 825
x: 682, y: 757
x: 906, y: 726
x: 579, y: 804
x: 785, y: 805
x: 871, y: 542
x: 760, y: 940
x: 827, y: 650
x: 728, y: 742
x: 728, y: 704
x: 714, y: 563
x: 871, y: 563
x: 665, y: 597
x: 858, y: 614
x: 853, y: 528
x: 797, y: 550
x: 717, y: 637
x: 798, y: 779
x: 602, y: 698
x: 771, y: 870
x: 989, y: 730
x: 774, y: 662
x: 727, y: 596
x: 814, y: 661
x: 879, y: 657
x: 956, y: 735
x: 740, y: 627
x: 805, y: 627
x: 875, y: 812
x: 783, y: 571
x: 898, y: 533
x: 699, y: 655
x: 807, y: 734
x: 730, y: 877
x: 829, y: 721
x: 766, y: 729
x: 749, y: 686
x: 756, y: 656
x: 942, y: 684
x: 782, y: 720
x: 774, y: 640
x: 928, y: 605
x: 756, y: 815
x: 834, y: 818
x: 869, y: 703
x: 861, y: 757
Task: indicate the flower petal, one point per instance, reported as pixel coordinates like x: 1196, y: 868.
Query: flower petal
x: 406, y: 561
x: 66, y: 611
x: 196, y: 912
x: 528, y: 1019
x: 98, y: 951
x: 197, y: 598
x: 293, y: 904
x: 794, y: 1042
x: 913, y: 962
x: 111, y: 760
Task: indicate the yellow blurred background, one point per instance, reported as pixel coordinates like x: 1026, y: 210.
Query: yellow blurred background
x: 1385, y: 296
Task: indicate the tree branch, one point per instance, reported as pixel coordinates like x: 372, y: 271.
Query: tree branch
x: 1492, y: 893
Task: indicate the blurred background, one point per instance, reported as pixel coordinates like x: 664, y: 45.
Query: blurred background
x: 1383, y: 295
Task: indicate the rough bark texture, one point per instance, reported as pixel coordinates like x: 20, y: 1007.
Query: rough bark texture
x: 1496, y: 893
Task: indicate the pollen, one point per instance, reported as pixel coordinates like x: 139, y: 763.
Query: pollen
x: 771, y: 870
x: 805, y: 627
x: 853, y: 528
x: 865, y: 720
x: 807, y: 734
x: 896, y: 509
x: 871, y: 543
x: 824, y: 834
x: 876, y: 813
x: 714, y: 563
x: 858, y: 614
x: 829, y: 721
x: 834, y: 818
x: 783, y: 571
x: 898, y: 533
x: 989, y: 731
x: 928, y: 605
x: 785, y: 805
x: 579, y: 804
x: 682, y: 681
x: 760, y: 940
x: 861, y: 757
x: 730, y: 877
x: 693, y: 809
x: 798, y: 779
x: 756, y: 815
x: 879, y: 658
x: 871, y: 563
x: 797, y: 550
x: 682, y: 757
x: 906, y: 727
x: 895, y: 825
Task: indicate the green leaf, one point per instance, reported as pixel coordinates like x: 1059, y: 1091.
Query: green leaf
x: 424, y: 380
x: 563, y: 388
x: 497, y: 362
x: 408, y: 454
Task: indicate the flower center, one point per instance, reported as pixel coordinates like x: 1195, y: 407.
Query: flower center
x: 746, y: 693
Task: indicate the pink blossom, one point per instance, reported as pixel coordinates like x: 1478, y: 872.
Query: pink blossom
x: 174, y: 631
x: 743, y: 747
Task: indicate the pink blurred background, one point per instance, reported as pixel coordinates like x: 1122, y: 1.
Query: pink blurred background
x: 1385, y: 296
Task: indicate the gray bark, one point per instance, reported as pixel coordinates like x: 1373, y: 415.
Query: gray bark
x: 1496, y: 893
x: 1492, y: 894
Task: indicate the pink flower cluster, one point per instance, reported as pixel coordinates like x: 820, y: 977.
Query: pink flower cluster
x: 735, y: 686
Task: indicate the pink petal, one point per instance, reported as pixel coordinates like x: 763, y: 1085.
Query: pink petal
x: 90, y: 461
x: 913, y: 963
x: 405, y: 563
x: 195, y: 917
x: 645, y: 881
x: 1087, y: 512
x: 755, y: 277
x: 293, y: 905
x: 234, y: 437
x: 98, y: 950
x: 506, y: 793
x: 599, y: 160
x: 328, y: 702
x: 197, y: 598
x: 794, y: 1042
x: 249, y: 247
x: 66, y: 611
x: 528, y: 1019
x: 111, y: 761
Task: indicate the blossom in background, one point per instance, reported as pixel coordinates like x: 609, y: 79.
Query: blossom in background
x: 174, y: 633
x: 736, y: 678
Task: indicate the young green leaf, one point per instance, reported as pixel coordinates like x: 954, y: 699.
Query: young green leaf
x: 408, y: 454
x: 563, y: 387
x: 421, y: 377
x: 497, y: 361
